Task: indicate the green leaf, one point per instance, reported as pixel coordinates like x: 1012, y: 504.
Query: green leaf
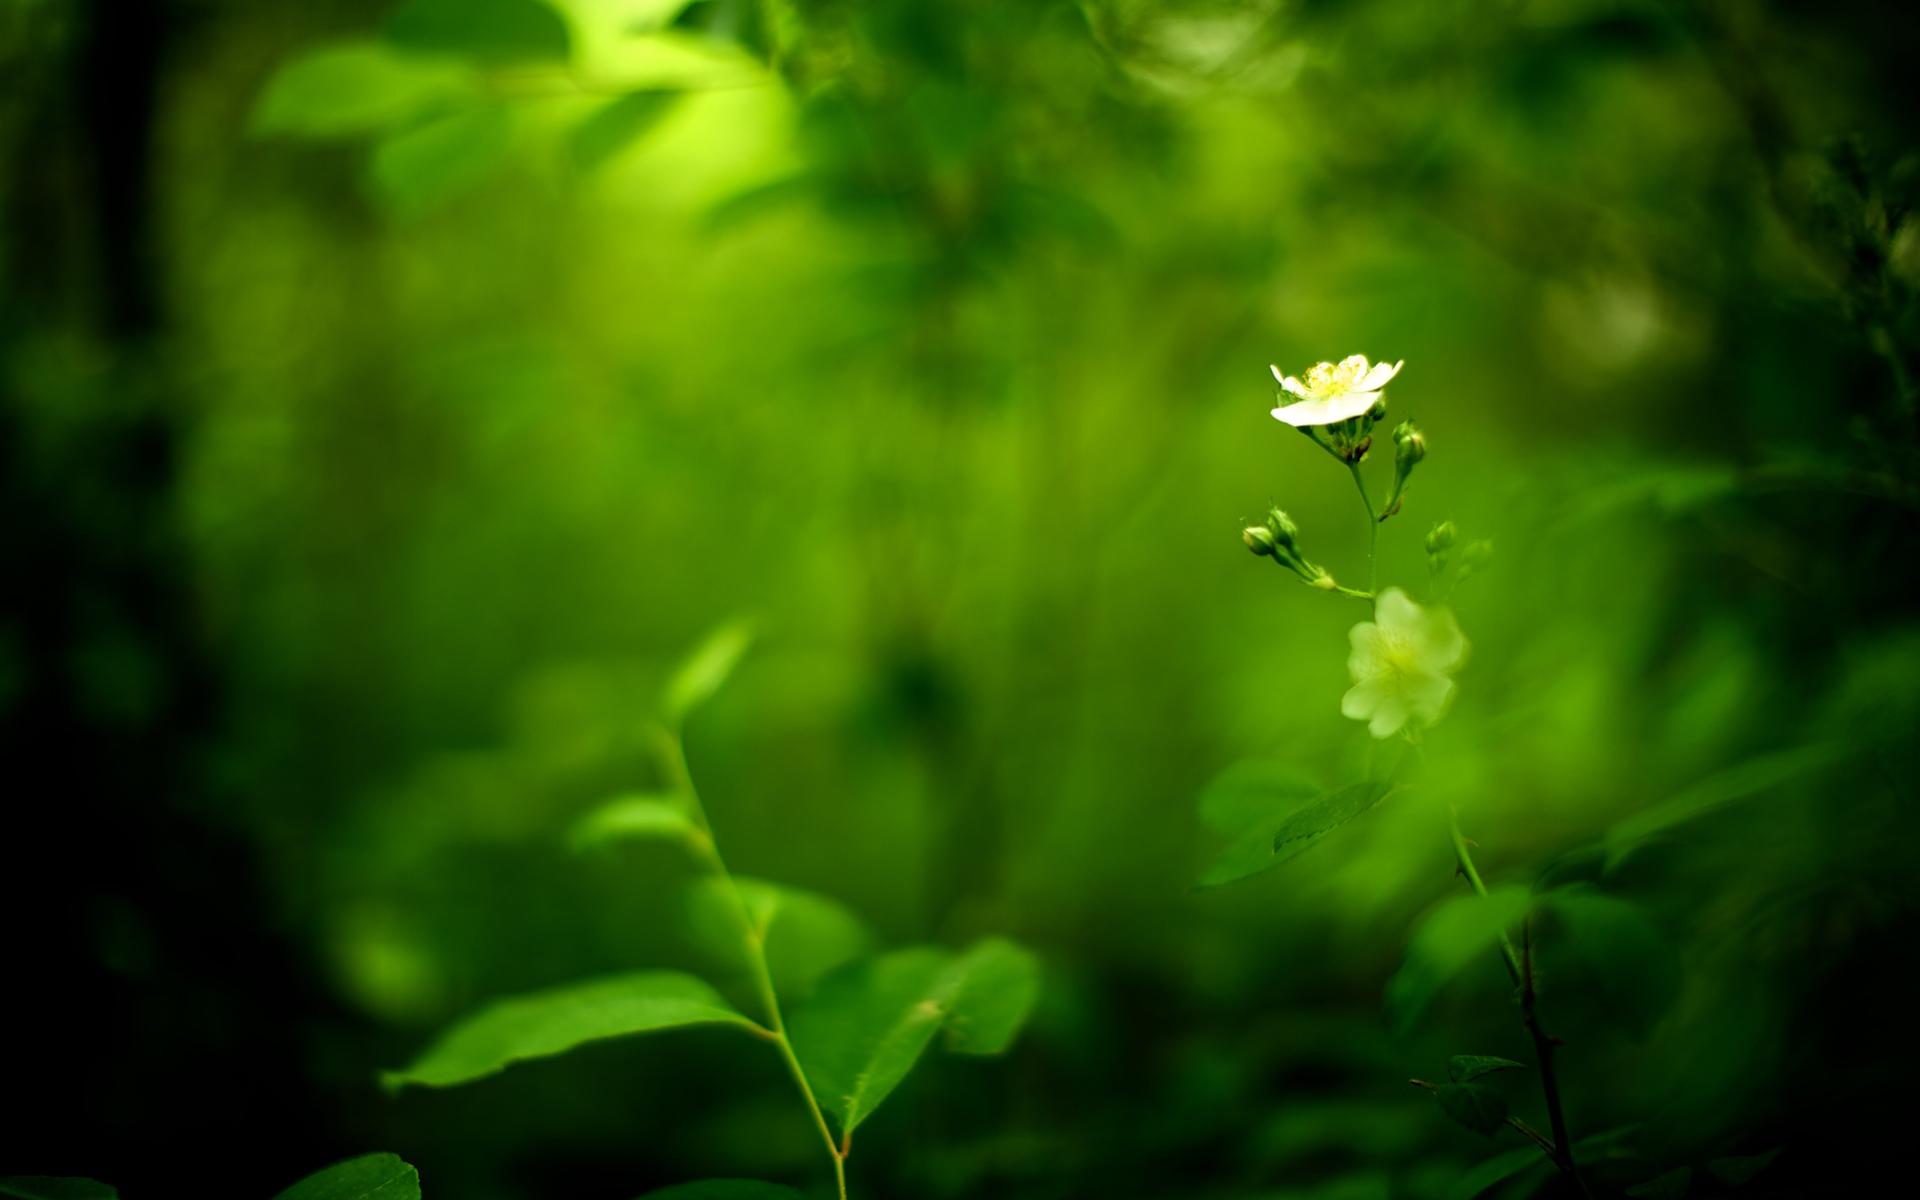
x: 1277, y: 840
x: 1474, y: 1105
x: 49, y: 1187
x: 1465, y: 1068
x: 1452, y: 936
x: 1670, y: 1186
x: 416, y: 169
x: 1497, y: 1170
x: 369, y: 1177
x: 352, y: 88
x: 724, y: 1189
x: 616, y: 125
x: 702, y: 673
x: 636, y: 817
x: 868, y: 1023
x: 1252, y: 793
x: 488, y: 31
x: 1605, y: 952
x: 552, y: 1022
x: 1737, y: 1170
x: 1755, y: 777
x: 803, y: 934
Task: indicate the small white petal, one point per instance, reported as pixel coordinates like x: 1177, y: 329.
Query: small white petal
x: 1445, y: 646
x: 1388, y: 719
x: 1396, y: 611
x: 1277, y: 376
x: 1377, y: 378
x: 1326, y: 410
x: 1293, y: 387
x: 1427, y: 696
x: 1361, y: 700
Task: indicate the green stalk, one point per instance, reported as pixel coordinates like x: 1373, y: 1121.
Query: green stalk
x: 1373, y: 524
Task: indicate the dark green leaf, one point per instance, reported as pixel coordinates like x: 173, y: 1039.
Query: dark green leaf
x: 1600, y: 951
x: 49, y: 1187
x: 803, y: 934
x: 1755, y: 777
x: 1253, y: 793
x: 1497, y: 1170
x: 369, y: 1177
x: 1278, y: 839
x: 1740, y: 1169
x: 1465, y: 1068
x: 616, y: 125
x: 638, y: 817
x: 416, y: 169
x: 1452, y: 936
x: 724, y: 1189
x: 1670, y: 1186
x: 352, y: 88
x: 1474, y: 1105
x: 487, y: 31
x: 555, y: 1021
x: 702, y: 673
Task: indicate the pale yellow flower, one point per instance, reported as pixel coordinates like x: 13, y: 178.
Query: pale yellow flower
x: 1400, y: 664
x: 1331, y: 393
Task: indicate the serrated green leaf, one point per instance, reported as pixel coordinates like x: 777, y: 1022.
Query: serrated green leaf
x: 1452, y: 936
x: 492, y: 32
x: 369, y: 1177
x: 637, y: 817
x: 52, y: 1187
x: 702, y: 673
x: 803, y: 934
x: 1252, y: 793
x: 352, y: 88
x: 1745, y: 781
x: 868, y: 1024
x: 1474, y: 1105
x: 724, y: 1189
x: 416, y: 169
x: 616, y: 125
x: 1277, y: 840
x: 1465, y: 1068
x: 557, y: 1020
x: 1670, y: 1186
x: 1001, y: 981
x: 1737, y: 1170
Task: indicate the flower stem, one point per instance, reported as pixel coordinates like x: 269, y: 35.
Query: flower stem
x: 753, y: 940
x: 1373, y: 522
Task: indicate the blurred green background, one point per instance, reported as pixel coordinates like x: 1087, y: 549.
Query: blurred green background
x: 389, y: 394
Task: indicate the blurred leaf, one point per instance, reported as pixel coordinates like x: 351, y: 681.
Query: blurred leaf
x: 702, y: 673
x: 639, y: 817
x: 1752, y: 778
x: 724, y: 1189
x: 369, y: 1177
x: 416, y: 169
x: 1252, y: 792
x: 487, y: 31
x: 352, y: 88
x: 1451, y: 937
x: 1737, y: 1170
x: 1474, y: 1105
x: 803, y: 934
x: 1670, y: 1186
x: 617, y: 124
x: 869, y: 1023
x: 1497, y: 1170
x: 555, y: 1021
x: 1599, y: 949
x: 1276, y: 840
x: 49, y: 1187
x: 1465, y: 1068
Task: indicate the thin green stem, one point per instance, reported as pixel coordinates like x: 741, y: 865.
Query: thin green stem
x: 753, y: 938
x: 1464, y: 857
x: 1373, y: 523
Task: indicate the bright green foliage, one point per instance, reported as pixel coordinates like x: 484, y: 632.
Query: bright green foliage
x: 617, y: 124
x: 1276, y: 839
x: 724, y: 1189
x: 1465, y: 1068
x: 636, y: 817
x: 869, y: 1023
x: 353, y: 88
x: 369, y: 1177
x: 1461, y: 931
x: 555, y: 1021
x: 419, y: 167
x: 803, y: 934
x: 702, y: 673
x: 1474, y: 1105
x: 488, y: 31
x: 49, y: 1187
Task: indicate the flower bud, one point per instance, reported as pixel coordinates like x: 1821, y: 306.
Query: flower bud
x: 1281, y: 526
x: 1258, y: 539
x: 1442, y: 537
x: 1409, y: 446
x: 1475, y: 556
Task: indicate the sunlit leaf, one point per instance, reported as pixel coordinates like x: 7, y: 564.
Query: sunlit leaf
x: 616, y: 125
x: 1474, y: 1105
x: 724, y: 1189
x: 1755, y: 777
x: 640, y: 817
x: 369, y: 1177
x: 803, y: 934
x: 1278, y: 839
x: 351, y: 88
x: 555, y: 1021
x: 487, y: 31
x: 868, y: 1023
x: 1670, y: 1186
x: 416, y: 169
x: 1254, y: 792
x: 1465, y: 1068
x: 1452, y: 936
x: 50, y: 1187
x: 702, y: 673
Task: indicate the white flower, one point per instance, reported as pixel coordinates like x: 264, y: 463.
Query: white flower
x: 1400, y: 663
x: 1333, y: 393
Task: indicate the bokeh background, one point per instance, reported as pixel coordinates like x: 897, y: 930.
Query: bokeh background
x: 391, y: 393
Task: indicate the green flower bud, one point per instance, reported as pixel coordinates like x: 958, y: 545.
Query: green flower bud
x: 1258, y: 539
x: 1441, y: 539
x: 1281, y: 526
x: 1475, y: 557
x: 1409, y: 446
